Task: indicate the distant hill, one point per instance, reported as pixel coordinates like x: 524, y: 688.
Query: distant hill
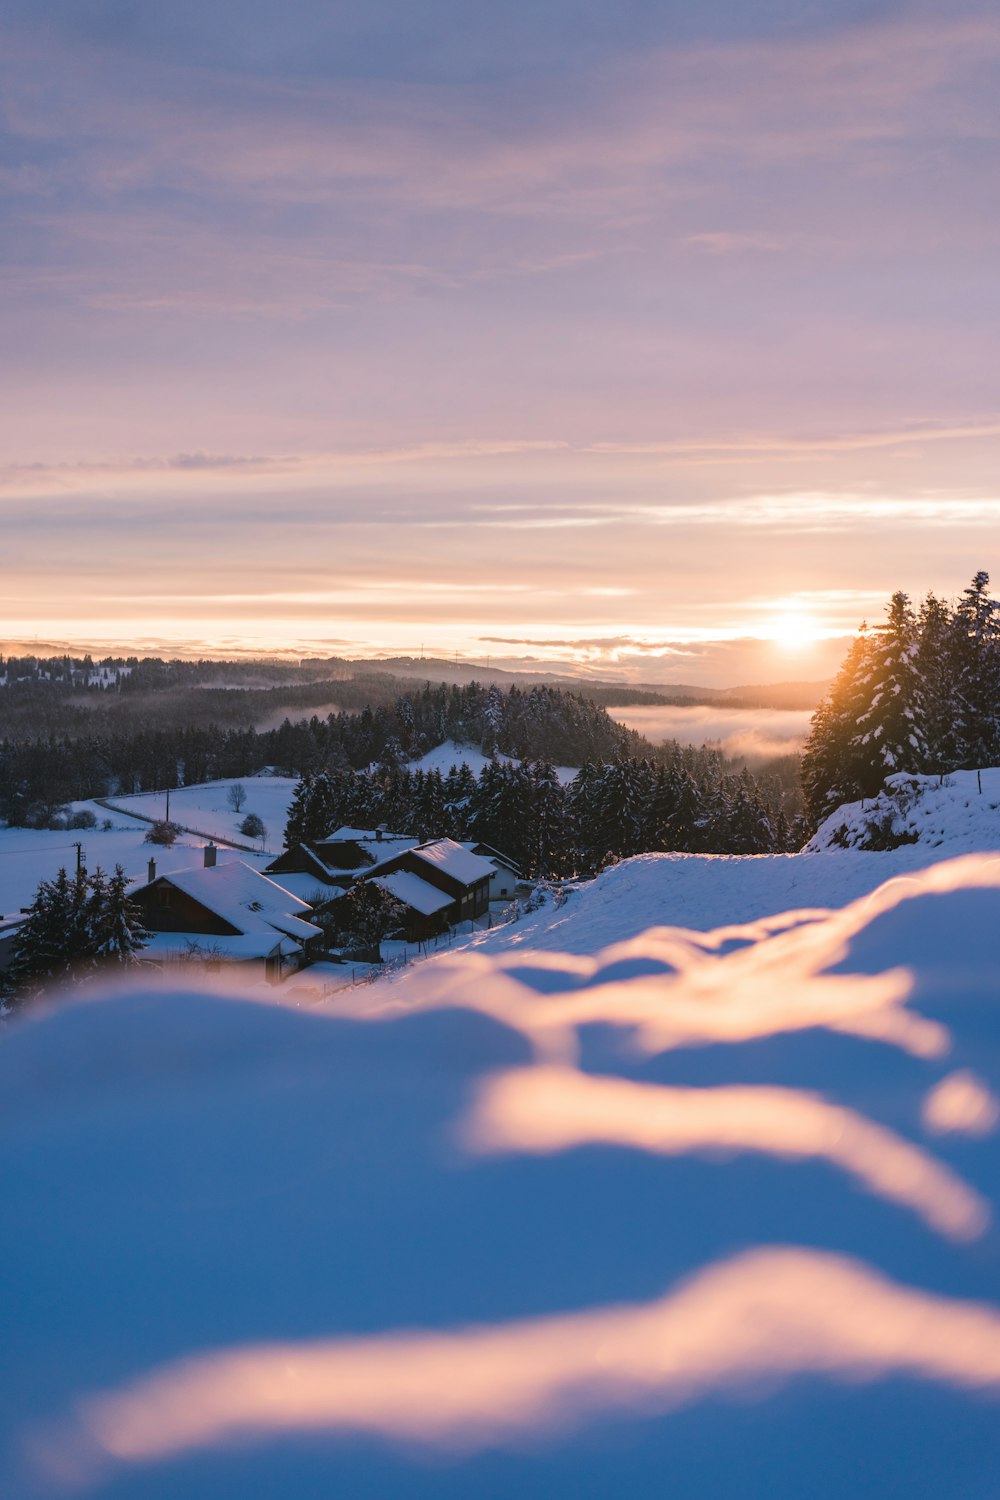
x: 800, y: 695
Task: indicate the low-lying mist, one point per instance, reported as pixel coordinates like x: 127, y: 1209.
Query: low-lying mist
x: 295, y: 712
x: 751, y: 734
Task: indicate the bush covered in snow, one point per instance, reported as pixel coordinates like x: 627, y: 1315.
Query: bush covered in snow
x: 937, y: 811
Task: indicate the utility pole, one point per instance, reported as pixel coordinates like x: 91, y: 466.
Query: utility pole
x: 167, y: 815
x: 79, y: 857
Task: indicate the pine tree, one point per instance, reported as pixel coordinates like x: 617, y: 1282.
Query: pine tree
x: 938, y: 669
x: 40, y: 946
x: 623, y: 795
x: 582, y: 810
x: 889, y: 736
x: 548, y: 844
x: 685, y: 830
x: 977, y: 691
x: 120, y: 931
x: 298, y: 809
x: 316, y: 808
x: 833, y: 761
x: 74, y: 925
x: 921, y: 695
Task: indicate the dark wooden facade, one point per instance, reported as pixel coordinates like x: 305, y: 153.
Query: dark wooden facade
x: 467, y: 900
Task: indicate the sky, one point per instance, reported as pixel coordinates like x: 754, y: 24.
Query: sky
x: 644, y: 339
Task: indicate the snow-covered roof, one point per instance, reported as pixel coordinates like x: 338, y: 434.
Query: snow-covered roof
x: 494, y: 856
x: 363, y: 836
x: 460, y: 863
x: 378, y: 848
x: 246, y: 899
x: 261, y: 943
x: 409, y: 888
x: 301, y: 884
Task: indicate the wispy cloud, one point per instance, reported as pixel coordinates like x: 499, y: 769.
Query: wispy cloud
x: 626, y: 322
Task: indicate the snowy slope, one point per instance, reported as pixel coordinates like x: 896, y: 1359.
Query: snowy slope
x: 205, y: 806
x: 703, y: 892
x: 450, y: 753
x: 706, y: 891
x: 705, y: 1216
x: 956, y: 814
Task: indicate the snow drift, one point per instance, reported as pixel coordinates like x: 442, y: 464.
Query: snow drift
x: 953, y: 813
x: 706, y: 1212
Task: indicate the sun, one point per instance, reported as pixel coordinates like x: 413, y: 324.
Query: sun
x: 793, y: 632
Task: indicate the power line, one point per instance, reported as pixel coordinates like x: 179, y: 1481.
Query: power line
x: 37, y: 849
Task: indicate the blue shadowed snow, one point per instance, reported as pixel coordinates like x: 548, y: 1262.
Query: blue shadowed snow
x: 718, y: 1215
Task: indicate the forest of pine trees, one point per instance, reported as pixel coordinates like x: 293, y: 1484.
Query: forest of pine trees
x: 39, y: 775
x: 920, y: 693
x: 610, y: 810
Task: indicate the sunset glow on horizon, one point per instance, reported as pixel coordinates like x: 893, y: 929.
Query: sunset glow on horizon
x: 656, y: 342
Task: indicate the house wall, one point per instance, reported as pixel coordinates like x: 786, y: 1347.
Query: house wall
x: 502, y: 883
x: 7, y: 940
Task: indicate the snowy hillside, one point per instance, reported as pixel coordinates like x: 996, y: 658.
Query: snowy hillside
x: 205, y: 807
x: 705, y: 892
x: 450, y: 753
x: 712, y: 1215
x: 955, y: 814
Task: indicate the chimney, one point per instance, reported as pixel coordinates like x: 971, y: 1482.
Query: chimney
x: 210, y: 853
x: 379, y: 832
x: 151, y: 871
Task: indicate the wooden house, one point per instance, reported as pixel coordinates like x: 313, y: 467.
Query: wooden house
x: 440, y: 883
x: 223, y: 912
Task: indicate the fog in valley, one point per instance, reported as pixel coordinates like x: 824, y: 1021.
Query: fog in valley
x: 755, y: 734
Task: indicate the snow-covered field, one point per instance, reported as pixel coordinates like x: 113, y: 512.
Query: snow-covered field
x: 28, y: 855
x: 704, y: 1214
x: 205, y: 806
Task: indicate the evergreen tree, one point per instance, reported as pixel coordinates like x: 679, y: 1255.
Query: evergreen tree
x: 921, y: 695
x: 365, y: 915
x: 547, y: 844
x: 119, y: 931
x: 684, y: 829
x: 316, y: 808
x: 977, y: 690
x: 74, y: 925
x: 938, y: 668
x: 833, y: 763
x: 889, y: 737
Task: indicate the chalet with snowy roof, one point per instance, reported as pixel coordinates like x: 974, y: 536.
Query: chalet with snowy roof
x: 440, y: 884
x: 319, y: 871
x: 228, y: 912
